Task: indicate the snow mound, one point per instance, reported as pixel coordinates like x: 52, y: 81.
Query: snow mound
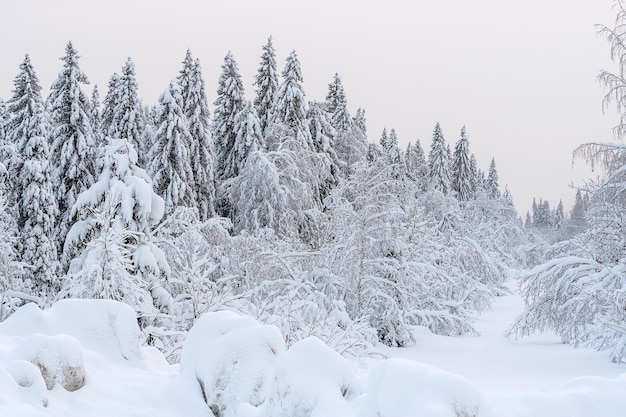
x: 103, y: 326
x: 59, y: 358
x: 30, y: 381
x: 403, y: 388
x: 309, y: 376
x: 231, y: 357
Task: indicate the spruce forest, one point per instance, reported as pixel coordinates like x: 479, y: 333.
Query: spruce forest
x: 288, y: 210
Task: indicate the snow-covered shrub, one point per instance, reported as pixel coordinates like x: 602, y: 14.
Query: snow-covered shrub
x: 308, y: 376
x: 231, y: 358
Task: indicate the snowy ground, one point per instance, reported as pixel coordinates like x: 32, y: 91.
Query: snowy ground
x: 494, y: 364
x: 484, y: 376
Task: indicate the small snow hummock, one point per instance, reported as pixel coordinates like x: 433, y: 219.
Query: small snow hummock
x: 403, y: 388
x: 59, y: 358
x: 231, y: 357
x: 309, y: 376
x: 104, y: 326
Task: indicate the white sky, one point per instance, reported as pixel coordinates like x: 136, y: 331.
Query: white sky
x: 519, y: 74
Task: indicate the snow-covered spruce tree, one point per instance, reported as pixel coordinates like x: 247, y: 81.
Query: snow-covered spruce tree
x: 13, y: 290
x: 96, y: 117
x: 230, y: 101
x: 577, y: 222
x: 439, y: 163
x: 249, y: 136
x: 416, y: 166
x: 4, y: 117
x: 28, y: 130
x: 196, y: 110
x: 110, y: 104
x: 323, y: 136
x: 266, y: 81
x: 337, y: 105
x: 248, y: 139
x: 170, y: 159
x: 477, y: 178
x: 126, y: 114
x: 150, y: 115
x: 351, y: 141
x: 492, y: 187
x: 109, y: 246
x: 6, y: 150
x: 303, y: 171
x: 395, y: 156
x: 359, y: 121
x: 287, y: 116
x: 72, y: 150
x: 462, y: 170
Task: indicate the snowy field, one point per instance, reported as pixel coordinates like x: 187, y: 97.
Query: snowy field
x: 93, y: 365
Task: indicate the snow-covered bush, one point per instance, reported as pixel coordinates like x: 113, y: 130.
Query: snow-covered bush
x: 308, y: 376
x: 231, y: 358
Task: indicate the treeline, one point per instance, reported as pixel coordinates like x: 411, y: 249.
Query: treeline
x: 276, y: 207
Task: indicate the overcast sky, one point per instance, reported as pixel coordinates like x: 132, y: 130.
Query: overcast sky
x: 521, y: 75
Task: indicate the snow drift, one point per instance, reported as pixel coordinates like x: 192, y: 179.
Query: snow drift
x: 75, y: 357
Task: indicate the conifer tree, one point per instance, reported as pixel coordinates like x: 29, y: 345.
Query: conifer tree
x: 577, y: 215
x: 37, y: 205
x: 127, y: 115
x: 287, y: 118
x: 337, y: 105
x: 323, y: 136
x: 10, y: 161
x: 416, y: 166
x: 493, y: 189
x: 11, y: 268
x: 196, y: 110
x: 559, y: 216
x: 266, y: 81
x: 392, y: 149
x: 476, y: 176
x: 438, y: 163
x: 461, y: 169
x: 359, y: 121
x: 96, y: 117
x: 109, y: 244
x: 351, y: 140
x: 110, y: 104
x: 249, y: 137
x: 230, y: 101
x: 170, y: 161
x: 72, y: 139
x: 4, y: 119
x: 528, y: 223
x: 384, y: 139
